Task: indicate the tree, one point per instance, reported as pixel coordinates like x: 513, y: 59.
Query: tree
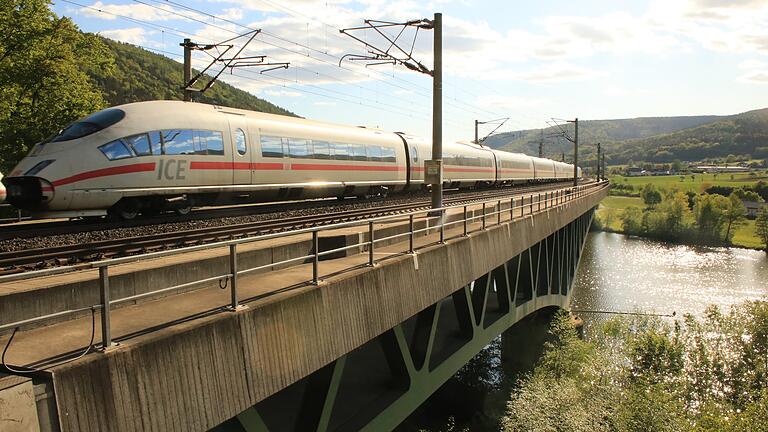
x: 761, y: 227
x: 708, y: 213
x: 734, y: 214
x: 631, y: 221
x: 43, y: 80
x: 748, y: 195
x: 676, y: 165
x: 650, y: 195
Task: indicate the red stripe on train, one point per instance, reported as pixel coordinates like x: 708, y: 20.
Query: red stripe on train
x: 104, y: 172
x: 339, y: 167
x: 197, y: 165
x: 483, y: 170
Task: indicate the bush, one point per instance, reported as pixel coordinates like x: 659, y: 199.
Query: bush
x: 702, y: 374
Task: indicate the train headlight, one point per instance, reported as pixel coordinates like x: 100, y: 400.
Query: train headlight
x: 39, y: 167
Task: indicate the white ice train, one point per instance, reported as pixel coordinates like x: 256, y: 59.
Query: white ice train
x: 148, y: 157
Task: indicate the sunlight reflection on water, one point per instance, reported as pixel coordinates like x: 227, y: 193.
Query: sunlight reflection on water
x: 620, y: 273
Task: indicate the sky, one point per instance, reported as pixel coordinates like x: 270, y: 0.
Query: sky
x: 526, y: 61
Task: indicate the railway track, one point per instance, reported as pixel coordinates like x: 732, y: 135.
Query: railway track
x: 29, y: 259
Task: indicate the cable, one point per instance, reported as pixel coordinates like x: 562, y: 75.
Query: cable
x: 28, y: 370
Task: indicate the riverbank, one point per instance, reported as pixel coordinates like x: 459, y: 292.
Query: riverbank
x: 611, y: 211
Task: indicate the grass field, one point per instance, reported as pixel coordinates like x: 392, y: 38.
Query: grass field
x: 696, y: 184
x: 612, y: 208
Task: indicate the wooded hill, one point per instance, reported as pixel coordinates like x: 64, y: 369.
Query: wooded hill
x: 141, y: 75
x: 653, y: 139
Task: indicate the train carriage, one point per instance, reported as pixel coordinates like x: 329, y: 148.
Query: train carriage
x: 468, y: 165
x: 513, y: 167
x: 544, y: 169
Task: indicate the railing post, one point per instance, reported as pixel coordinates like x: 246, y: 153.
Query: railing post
x: 315, y: 258
x: 106, y: 330
x: 410, y: 236
x: 498, y: 213
x: 531, y: 203
x: 511, y: 209
x: 370, y: 248
x: 442, y: 226
x: 483, y: 215
x: 233, y: 276
x: 538, y: 199
x: 465, y: 221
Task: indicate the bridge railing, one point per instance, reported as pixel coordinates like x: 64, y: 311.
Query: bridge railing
x: 435, y: 220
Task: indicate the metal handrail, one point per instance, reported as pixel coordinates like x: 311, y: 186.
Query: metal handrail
x: 557, y: 198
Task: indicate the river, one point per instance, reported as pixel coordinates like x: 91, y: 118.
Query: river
x: 627, y: 274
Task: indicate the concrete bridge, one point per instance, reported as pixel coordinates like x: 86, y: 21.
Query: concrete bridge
x: 342, y: 328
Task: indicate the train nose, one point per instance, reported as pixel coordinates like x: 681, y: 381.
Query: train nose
x: 28, y: 193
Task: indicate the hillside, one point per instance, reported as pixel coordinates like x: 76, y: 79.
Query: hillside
x: 653, y: 139
x: 141, y: 75
x: 527, y: 141
x: 743, y: 135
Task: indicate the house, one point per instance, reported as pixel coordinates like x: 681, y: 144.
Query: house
x: 753, y: 207
x: 635, y: 172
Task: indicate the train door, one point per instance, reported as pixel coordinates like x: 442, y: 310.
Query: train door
x: 242, y: 151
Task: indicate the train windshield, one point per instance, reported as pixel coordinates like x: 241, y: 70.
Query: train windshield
x: 91, y: 124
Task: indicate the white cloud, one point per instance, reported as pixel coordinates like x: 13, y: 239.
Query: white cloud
x: 283, y: 93
x: 755, y: 77
x: 133, y: 35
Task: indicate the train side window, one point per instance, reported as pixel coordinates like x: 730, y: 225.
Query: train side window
x: 178, y: 142
x: 156, y: 142
x: 414, y: 154
x: 240, y: 142
x: 116, y: 150
x: 140, y: 144
x: 214, y: 141
x: 341, y: 151
x: 271, y: 146
x: 321, y: 149
x: 374, y: 153
x: 298, y: 148
x: 199, y: 143
x: 388, y: 154
x: 357, y: 152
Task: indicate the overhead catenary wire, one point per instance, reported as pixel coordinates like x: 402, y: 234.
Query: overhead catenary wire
x: 267, y: 33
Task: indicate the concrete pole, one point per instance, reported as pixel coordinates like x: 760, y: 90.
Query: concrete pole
x: 605, y: 177
x: 477, y: 140
x: 576, y: 152
x: 541, y: 144
x: 187, y: 68
x: 597, y: 163
x: 437, y: 110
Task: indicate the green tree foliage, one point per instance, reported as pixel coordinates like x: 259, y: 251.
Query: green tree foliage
x: 43, y: 79
x: 734, y: 214
x: 706, y: 374
x: 761, y: 227
x: 709, y: 213
x: 650, y: 195
x: 632, y: 221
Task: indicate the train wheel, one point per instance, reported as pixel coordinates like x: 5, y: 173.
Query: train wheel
x: 184, y: 209
x: 124, y: 210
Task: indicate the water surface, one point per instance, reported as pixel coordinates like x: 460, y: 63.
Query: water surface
x: 621, y: 273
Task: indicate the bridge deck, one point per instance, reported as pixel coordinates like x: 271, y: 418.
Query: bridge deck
x: 48, y: 344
